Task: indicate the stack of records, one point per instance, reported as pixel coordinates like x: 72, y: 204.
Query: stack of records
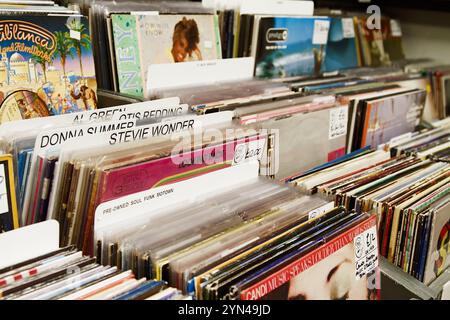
x: 431, y: 144
x: 439, y: 77
x: 315, y: 122
x: 47, y: 65
x: 65, y: 274
x: 410, y: 196
x: 229, y: 95
x: 330, y: 40
x: 133, y: 35
x: 91, y: 176
x: 379, y: 46
x: 233, y: 245
x: 372, y: 120
x: 20, y: 138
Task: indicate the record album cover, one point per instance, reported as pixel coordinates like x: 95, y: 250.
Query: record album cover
x: 177, y: 167
x: 341, y: 50
x: 390, y: 117
x: 126, y: 49
x: 438, y: 251
x: 142, y: 40
x: 345, y: 268
x: 290, y: 46
x: 45, y: 63
x: 371, y: 40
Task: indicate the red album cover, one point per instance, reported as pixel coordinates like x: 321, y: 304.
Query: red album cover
x: 344, y: 268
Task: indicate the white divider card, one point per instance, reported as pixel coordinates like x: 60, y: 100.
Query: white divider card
x: 111, y: 133
x: 441, y: 123
x: 396, y: 141
x: 148, y: 109
x: 167, y: 128
x: 366, y: 252
x: 28, y: 242
x: 278, y: 7
x: 144, y: 13
x: 446, y: 291
x: 222, y: 4
x: 134, y: 206
x: 196, y: 73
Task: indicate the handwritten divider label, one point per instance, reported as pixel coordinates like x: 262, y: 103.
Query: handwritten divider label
x: 366, y: 252
x: 338, y: 122
x: 245, y: 152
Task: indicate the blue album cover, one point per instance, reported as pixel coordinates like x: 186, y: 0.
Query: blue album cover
x: 290, y: 46
x: 341, y: 52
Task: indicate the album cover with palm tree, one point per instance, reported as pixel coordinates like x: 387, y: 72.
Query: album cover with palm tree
x: 46, y: 66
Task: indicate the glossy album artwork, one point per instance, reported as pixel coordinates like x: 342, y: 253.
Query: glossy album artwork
x: 343, y: 268
x: 143, y: 40
x: 46, y: 66
x: 392, y: 116
x: 290, y: 46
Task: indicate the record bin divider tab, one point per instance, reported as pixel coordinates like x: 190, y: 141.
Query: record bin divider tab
x: 28, y: 242
x: 112, y: 212
x: 168, y: 76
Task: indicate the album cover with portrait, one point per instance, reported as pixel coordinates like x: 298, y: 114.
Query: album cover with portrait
x: 437, y: 259
x: 343, y: 268
x: 143, y: 40
x: 46, y: 66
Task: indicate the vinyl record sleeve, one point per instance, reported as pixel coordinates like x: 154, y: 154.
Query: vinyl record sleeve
x: 437, y: 258
x: 383, y: 122
x: 55, y: 61
x: 341, y: 52
x: 312, y: 138
x: 371, y: 44
x: 127, y: 61
x: 9, y: 219
x: 176, y: 38
x: 293, y: 281
x: 281, y: 51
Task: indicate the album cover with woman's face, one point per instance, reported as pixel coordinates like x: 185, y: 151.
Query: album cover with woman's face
x: 345, y: 268
x: 177, y: 38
